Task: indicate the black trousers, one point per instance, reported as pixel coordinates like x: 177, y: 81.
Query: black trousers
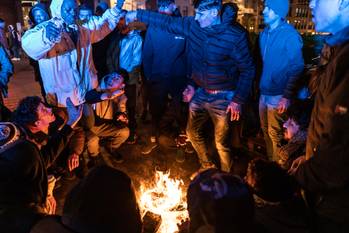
x: 164, y: 110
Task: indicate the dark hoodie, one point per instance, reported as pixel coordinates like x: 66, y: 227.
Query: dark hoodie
x: 102, y: 202
x: 38, y: 6
x: 281, y: 51
x: 326, y: 170
x: 164, y: 55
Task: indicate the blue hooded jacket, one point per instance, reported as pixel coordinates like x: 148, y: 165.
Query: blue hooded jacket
x: 281, y: 51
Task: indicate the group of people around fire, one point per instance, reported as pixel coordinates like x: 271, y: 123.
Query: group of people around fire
x: 198, y: 75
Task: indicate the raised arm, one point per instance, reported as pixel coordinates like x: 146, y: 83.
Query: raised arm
x: 36, y: 42
x: 175, y: 25
x: 246, y: 67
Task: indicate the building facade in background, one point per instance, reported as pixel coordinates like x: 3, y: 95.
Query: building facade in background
x: 250, y: 15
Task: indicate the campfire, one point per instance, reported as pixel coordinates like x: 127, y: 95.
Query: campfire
x: 164, y: 199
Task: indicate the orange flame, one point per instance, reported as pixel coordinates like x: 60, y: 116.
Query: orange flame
x: 166, y: 199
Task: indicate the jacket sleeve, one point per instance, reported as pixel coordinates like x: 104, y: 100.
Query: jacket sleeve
x: 56, y: 144
x: 294, y: 55
x: 147, y: 54
x: 111, y: 16
x: 328, y: 169
x: 35, y: 43
x: 137, y: 52
x: 175, y: 25
x: 242, y: 57
x: 6, y: 67
x: 101, y: 27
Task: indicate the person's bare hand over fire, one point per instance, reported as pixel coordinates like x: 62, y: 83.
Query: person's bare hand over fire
x: 73, y: 161
x: 188, y: 93
x: 235, y: 111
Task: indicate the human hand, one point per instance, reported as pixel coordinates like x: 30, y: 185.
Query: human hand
x: 74, y: 113
x: 122, y: 118
x: 283, y: 105
x: 131, y: 16
x: 235, y: 111
x: 188, y: 93
x: 119, y: 4
x: 295, y: 164
x: 51, y: 205
x: 183, y: 226
x: 52, y: 32
x: 73, y: 161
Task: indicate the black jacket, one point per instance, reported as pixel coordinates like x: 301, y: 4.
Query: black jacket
x: 163, y: 55
x: 23, y: 175
x: 219, y: 55
x: 326, y: 170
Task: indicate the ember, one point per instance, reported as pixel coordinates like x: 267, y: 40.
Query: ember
x: 165, y: 198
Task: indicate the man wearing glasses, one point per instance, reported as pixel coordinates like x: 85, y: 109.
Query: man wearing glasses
x: 222, y: 71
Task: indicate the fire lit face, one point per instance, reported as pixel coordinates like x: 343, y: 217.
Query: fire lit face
x: 290, y: 129
x: 116, y: 82
x: 206, y: 17
x: 325, y: 14
x: 45, y: 117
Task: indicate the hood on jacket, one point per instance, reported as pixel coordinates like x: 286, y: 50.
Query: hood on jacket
x: 229, y: 12
x: 104, y: 201
x: 55, y: 8
x: 338, y: 38
x: 38, y: 6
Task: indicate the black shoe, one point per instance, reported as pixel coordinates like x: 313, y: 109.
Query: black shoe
x: 117, y: 157
x: 144, y: 116
x: 82, y: 170
x: 94, y: 161
x: 180, y: 155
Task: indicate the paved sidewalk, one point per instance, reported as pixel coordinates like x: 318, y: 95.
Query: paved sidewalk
x: 21, y: 84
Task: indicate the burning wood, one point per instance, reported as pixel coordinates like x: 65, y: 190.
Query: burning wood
x: 165, y: 198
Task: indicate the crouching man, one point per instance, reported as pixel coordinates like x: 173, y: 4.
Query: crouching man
x: 110, y: 118
x: 24, y: 161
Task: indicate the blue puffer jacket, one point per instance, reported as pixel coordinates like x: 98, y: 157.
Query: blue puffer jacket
x: 219, y: 55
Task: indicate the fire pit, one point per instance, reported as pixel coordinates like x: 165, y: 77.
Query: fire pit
x: 164, y: 199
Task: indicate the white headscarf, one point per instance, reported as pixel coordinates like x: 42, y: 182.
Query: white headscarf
x: 55, y: 8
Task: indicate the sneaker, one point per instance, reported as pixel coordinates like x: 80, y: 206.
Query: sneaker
x: 181, y: 140
x: 203, y: 167
x: 189, y: 148
x: 117, y: 157
x: 132, y: 139
x: 149, y: 147
x: 144, y: 116
x: 180, y: 155
x: 94, y: 161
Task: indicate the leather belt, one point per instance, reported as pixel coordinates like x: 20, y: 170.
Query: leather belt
x: 213, y: 92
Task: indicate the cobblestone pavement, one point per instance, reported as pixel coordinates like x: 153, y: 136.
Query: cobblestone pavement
x: 141, y: 168
x: 21, y: 84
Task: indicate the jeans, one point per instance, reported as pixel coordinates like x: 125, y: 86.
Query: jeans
x: 271, y: 124
x: 116, y: 134
x: 205, y: 106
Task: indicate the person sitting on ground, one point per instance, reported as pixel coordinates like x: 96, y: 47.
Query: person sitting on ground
x: 6, y: 71
x: 113, y: 208
x: 278, y: 208
x: 219, y: 202
x: 24, y: 160
x: 295, y: 134
x: 110, y: 117
x: 130, y: 59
